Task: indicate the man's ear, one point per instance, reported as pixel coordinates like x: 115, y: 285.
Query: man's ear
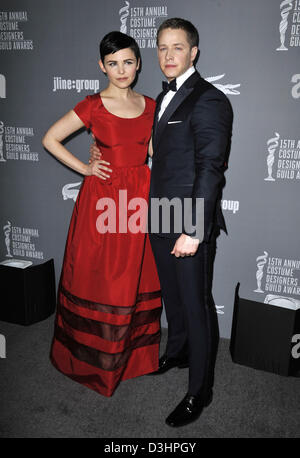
x: 194, y: 52
x: 101, y: 65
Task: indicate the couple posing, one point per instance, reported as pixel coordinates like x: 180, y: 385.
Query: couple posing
x: 107, y: 325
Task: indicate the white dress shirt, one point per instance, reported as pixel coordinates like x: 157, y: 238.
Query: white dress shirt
x: 170, y: 94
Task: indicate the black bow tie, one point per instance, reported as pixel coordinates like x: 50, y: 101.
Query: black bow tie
x: 169, y: 86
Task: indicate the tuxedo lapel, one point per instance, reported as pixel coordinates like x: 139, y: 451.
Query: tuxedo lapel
x: 157, y: 109
x: 178, y: 98
x: 173, y: 105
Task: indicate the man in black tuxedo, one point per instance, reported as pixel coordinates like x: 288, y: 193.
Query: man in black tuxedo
x: 191, y: 140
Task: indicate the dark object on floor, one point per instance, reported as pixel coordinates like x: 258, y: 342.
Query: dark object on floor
x: 27, y: 295
x: 261, y: 336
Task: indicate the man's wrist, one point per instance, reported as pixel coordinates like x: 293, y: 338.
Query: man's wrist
x: 194, y: 239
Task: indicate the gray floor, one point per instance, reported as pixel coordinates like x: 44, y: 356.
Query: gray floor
x: 37, y: 401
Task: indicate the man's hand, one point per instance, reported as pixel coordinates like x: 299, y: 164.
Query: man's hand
x: 96, y: 164
x: 185, y: 246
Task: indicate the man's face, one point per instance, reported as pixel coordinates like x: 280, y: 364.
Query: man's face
x: 175, y: 54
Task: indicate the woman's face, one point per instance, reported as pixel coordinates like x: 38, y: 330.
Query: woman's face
x: 120, y: 67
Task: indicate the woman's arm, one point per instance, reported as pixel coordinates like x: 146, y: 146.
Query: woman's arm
x: 60, y: 130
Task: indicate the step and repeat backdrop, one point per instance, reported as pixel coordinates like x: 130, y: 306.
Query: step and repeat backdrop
x: 49, y: 54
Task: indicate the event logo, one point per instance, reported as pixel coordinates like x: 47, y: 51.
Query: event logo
x: 296, y: 89
x: 18, y: 241
x: 272, y: 145
x: 2, y: 346
x: 226, y: 88
x: 62, y: 84
x: 7, y: 232
x: 283, y: 158
x: 230, y: 205
x: 261, y: 261
x: 289, y: 26
x: 2, y: 159
x: 69, y: 193
x: 278, y: 275
x: 142, y: 23
x: 15, y: 144
x: 1, y: 142
x: 11, y: 34
x: 124, y: 13
x: 285, y: 7
x: 2, y: 87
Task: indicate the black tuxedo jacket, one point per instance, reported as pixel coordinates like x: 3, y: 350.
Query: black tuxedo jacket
x: 191, y: 145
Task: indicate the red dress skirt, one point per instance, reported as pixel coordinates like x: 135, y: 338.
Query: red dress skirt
x: 107, y: 325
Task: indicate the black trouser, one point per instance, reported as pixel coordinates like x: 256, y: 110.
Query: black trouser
x: 190, y: 310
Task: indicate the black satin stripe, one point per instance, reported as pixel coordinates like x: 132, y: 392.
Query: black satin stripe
x: 146, y: 316
x: 142, y: 297
x: 108, y: 308
x: 111, y: 332
x: 105, y: 308
x: 100, y: 359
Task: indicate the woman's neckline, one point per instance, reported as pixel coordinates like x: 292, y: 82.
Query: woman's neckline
x: 120, y: 117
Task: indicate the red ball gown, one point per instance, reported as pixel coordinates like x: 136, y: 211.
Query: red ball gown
x: 107, y: 325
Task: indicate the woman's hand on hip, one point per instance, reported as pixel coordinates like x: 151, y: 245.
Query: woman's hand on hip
x: 98, y: 168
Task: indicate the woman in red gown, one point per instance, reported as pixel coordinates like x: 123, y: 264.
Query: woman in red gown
x: 107, y: 326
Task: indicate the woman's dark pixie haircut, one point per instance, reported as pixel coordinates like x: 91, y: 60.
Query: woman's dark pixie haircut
x: 114, y: 41
x: 179, y: 23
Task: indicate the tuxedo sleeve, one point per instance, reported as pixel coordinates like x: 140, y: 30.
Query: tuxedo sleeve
x: 212, y: 126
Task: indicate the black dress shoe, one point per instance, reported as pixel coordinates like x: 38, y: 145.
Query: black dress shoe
x: 166, y: 364
x: 188, y: 410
